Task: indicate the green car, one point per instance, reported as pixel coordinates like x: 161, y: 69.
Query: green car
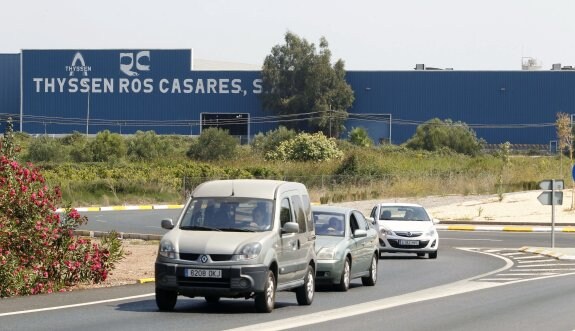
x: 346, y: 247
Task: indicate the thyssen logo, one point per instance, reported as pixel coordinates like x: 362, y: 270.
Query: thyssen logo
x: 78, y: 65
x: 141, y: 62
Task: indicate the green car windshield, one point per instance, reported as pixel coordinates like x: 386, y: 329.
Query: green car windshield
x: 329, y: 224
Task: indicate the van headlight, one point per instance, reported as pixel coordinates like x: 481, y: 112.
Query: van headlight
x: 167, y: 249
x: 431, y: 232
x: 326, y: 253
x: 248, y: 252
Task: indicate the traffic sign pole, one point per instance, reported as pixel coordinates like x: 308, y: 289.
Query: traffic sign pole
x: 552, y: 214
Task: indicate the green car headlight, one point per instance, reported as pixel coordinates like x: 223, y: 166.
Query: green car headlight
x: 326, y: 253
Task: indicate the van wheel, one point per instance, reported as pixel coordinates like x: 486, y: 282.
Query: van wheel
x: 305, y: 293
x: 433, y: 255
x: 166, y: 300
x: 265, y: 301
x: 372, y: 278
x: 212, y: 299
x: 345, y: 277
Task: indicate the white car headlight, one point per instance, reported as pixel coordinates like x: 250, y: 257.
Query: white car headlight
x: 430, y: 232
x: 248, y: 252
x: 326, y: 253
x: 167, y: 249
x: 387, y: 232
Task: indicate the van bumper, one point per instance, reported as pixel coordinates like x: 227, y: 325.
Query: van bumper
x: 235, y: 281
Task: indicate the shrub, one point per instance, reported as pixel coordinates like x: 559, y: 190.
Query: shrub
x: 107, y: 146
x: 38, y: 250
x: 213, y: 144
x: 306, y: 147
x: 270, y: 141
x: 435, y: 134
x: 45, y: 149
x: 147, y: 146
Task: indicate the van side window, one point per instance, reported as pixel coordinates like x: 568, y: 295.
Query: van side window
x: 299, y: 212
x: 285, y: 212
x: 307, y: 210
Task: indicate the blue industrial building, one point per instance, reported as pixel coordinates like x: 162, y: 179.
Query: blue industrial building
x: 61, y: 91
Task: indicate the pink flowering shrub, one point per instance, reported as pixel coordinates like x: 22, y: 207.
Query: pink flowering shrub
x: 38, y: 250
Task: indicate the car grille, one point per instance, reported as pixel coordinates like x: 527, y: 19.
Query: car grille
x: 395, y: 243
x: 214, y: 257
x: 408, y: 234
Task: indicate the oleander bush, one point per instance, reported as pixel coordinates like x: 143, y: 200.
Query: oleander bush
x: 39, y: 252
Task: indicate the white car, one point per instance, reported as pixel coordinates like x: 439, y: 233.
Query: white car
x: 405, y: 228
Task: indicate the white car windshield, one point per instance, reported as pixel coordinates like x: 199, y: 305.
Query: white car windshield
x: 228, y: 214
x: 403, y: 213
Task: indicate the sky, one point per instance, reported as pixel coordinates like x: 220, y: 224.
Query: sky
x: 367, y: 35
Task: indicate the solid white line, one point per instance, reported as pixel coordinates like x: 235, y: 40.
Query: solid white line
x: 76, y: 305
x: 551, y: 269
x: 444, y: 238
x: 529, y: 274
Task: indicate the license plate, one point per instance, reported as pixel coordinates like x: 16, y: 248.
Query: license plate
x: 203, y: 273
x: 409, y: 242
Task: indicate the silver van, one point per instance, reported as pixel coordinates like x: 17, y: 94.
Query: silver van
x: 244, y: 238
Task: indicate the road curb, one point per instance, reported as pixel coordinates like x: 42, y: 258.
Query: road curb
x: 501, y: 228
x: 123, y: 208
x: 146, y: 280
x: 550, y: 252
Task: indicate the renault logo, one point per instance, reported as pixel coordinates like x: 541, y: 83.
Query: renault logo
x: 204, y: 258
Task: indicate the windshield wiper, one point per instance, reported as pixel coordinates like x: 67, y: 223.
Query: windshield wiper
x: 237, y: 230
x: 198, y: 227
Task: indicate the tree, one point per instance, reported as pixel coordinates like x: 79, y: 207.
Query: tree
x: 360, y: 137
x: 436, y: 134
x: 299, y: 80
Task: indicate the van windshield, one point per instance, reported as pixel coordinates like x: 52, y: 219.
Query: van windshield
x: 228, y: 214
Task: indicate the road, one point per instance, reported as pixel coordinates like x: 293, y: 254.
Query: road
x: 131, y: 221
x: 479, y: 281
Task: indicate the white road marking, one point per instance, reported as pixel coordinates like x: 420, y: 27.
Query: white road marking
x: 463, y: 286
x: 75, y: 305
x: 512, y: 254
x: 500, y: 279
x: 528, y: 257
x: 551, y: 269
x: 547, y: 265
x: 529, y: 274
x: 461, y: 239
x: 538, y: 261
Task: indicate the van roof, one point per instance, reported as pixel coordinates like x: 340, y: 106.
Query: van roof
x: 253, y: 188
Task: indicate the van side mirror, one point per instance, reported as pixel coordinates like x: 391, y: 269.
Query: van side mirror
x: 359, y: 233
x: 435, y: 221
x: 290, y: 227
x: 370, y: 220
x: 167, y: 224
